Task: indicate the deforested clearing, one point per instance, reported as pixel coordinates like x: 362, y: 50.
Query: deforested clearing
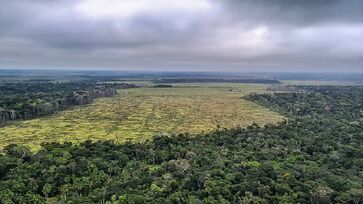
x: 137, y: 114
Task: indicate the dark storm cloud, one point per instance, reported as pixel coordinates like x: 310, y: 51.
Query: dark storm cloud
x: 192, y: 34
x: 298, y: 12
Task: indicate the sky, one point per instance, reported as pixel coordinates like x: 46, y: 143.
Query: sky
x: 183, y: 35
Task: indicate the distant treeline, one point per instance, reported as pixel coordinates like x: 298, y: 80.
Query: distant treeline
x: 216, y: 80
x: 162, y: 86
x: 343, y: 101
x: 32, y: 99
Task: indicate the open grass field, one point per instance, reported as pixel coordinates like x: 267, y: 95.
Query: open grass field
x: 138, y: 114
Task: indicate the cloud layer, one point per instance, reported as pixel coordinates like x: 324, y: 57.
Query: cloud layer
x: 235, y: 35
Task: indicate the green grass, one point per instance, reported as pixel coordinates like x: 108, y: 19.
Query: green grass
x: 138, y: 114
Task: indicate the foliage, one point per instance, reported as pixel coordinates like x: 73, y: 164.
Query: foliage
x: 138, y: 114
x: 217, y: 80
x: 30, y: 99
x: 314, y: 157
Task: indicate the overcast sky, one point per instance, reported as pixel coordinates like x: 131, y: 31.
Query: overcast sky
x: 215, y: 35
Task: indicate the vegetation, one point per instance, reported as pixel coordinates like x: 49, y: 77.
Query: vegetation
x: 138, y: 114
x: 217, y: 80
x: 163, y: 86
x: 314, y: 157
x: 30, y: 99
x: 330, y: 101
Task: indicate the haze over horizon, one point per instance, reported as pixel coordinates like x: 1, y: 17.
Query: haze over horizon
x: 188, y: 35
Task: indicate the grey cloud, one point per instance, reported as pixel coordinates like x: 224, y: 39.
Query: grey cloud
x: 300, y: 12
x: 56, y: 24
x: 234, y: 35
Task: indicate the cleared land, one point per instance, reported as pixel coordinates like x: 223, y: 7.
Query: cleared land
x: 138, y: 114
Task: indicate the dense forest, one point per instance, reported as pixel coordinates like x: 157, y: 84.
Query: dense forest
x: 316, y: 156
x: 30, y: 99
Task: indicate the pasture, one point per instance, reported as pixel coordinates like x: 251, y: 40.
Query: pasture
x: 137, y: 114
